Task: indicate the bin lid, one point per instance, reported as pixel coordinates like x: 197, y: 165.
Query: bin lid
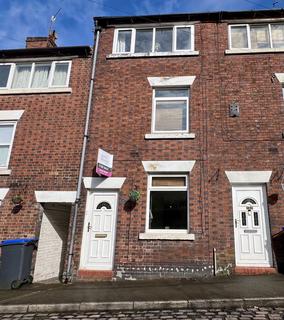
x: 17, y: 241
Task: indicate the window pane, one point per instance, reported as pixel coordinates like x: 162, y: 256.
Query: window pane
x: 239, y: 38
x: 4, y: 151
x: 22, y: 76
x: 4, y: 75
x: 6, y: 133
x: 60, y: 74
x: 123, y: 41
x: 168, y: 210
x: 144, y: 40
x: 259, y: 37
x: 40, y: 77
x: 277, y: 31
x: 160, y: 93
x: 171, y: 115
x: 164, y: 39
x: 168, y: 181
x: 183, y: 38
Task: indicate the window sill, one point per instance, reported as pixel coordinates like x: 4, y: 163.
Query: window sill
x: 157, y: 136
x: 5, y: 172
x: 33, y: 91
x: 152, y: 54
x: 253, y: 51
x: 166, y: 236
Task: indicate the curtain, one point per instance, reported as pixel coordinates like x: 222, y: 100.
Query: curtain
x: 60, y: 74
x: 277, y: 31
x: 40, y: 78
x: 22, y: 76
x: 123, y: 41
x: 259, y: 37
x: 239, y: 37
x: 6, y: 134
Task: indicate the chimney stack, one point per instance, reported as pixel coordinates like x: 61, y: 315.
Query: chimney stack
x: 42, y: 42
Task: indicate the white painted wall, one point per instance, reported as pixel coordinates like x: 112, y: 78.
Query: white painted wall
x: 52, y: 242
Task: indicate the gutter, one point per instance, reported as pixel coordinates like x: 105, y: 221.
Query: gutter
x: 67, y: 276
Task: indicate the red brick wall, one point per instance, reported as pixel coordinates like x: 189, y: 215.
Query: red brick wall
x: 46, y: 149
x: 253, y: 141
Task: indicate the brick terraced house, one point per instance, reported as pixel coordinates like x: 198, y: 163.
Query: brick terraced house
x: 43, y: 98
x: 191, y: 107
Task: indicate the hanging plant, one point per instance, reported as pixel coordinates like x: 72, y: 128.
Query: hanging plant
x: 134, y: 195
x: 17, y: 199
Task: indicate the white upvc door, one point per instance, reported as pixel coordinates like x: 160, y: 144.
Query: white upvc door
x: 99, y: 231
x: 251, y: 226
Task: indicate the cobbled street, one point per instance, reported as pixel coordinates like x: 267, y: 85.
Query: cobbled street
x: 214, y: 314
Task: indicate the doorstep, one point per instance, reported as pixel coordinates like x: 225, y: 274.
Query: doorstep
x: 91, y: 275
x: 254, y: 270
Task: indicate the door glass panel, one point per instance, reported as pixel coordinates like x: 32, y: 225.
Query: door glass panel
x: 255, y: 219
x: 104, y: 204
x: 244, y: 219
x: 247, y: 200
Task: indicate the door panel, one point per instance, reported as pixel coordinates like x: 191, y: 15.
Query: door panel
x: 99, y: 231
x: 251, y: 226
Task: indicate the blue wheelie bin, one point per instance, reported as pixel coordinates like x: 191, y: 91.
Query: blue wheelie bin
x: 16, y: 260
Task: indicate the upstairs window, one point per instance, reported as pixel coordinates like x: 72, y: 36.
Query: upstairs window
x: 256, y: 36
x: 170, y: 110
x: 35, y: 75
x: 7, y: 131
x: 146, y: 40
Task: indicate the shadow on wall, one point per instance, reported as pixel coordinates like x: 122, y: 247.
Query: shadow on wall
x: 278, y: 247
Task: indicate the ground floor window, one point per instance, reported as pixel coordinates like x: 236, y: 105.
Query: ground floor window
x: 168, y: 202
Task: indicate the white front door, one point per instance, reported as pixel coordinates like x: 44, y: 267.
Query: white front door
x: 251, y: 226
x: 99, y: 231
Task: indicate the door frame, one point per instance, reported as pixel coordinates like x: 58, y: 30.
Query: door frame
x: 88, y: 212
x: 266, y: 230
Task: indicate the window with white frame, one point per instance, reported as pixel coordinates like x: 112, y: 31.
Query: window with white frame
x: 35, y: 75
x: 256, y: 36
x: 170, y: 110
x: 7, y: 132
x: 167, y: 203
x: 160, y: 39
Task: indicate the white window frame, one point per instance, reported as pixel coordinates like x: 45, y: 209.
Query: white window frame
x: 167, y: 188
x: 191, y: 38
x: 154, y: 101
x: 133, y: 38
x: 52, y: 70
x: 32, y: 64
x: 4, y: 123
x: 248, y: 28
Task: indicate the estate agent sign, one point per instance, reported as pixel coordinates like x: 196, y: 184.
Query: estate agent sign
x: 104, y: 163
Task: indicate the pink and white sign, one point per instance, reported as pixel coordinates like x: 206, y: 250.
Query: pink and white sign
x: 104, y: 163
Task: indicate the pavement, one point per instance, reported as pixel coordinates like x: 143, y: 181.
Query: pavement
x: 217, y: 292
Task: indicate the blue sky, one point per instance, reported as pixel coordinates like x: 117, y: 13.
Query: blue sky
x: 74, y: 24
